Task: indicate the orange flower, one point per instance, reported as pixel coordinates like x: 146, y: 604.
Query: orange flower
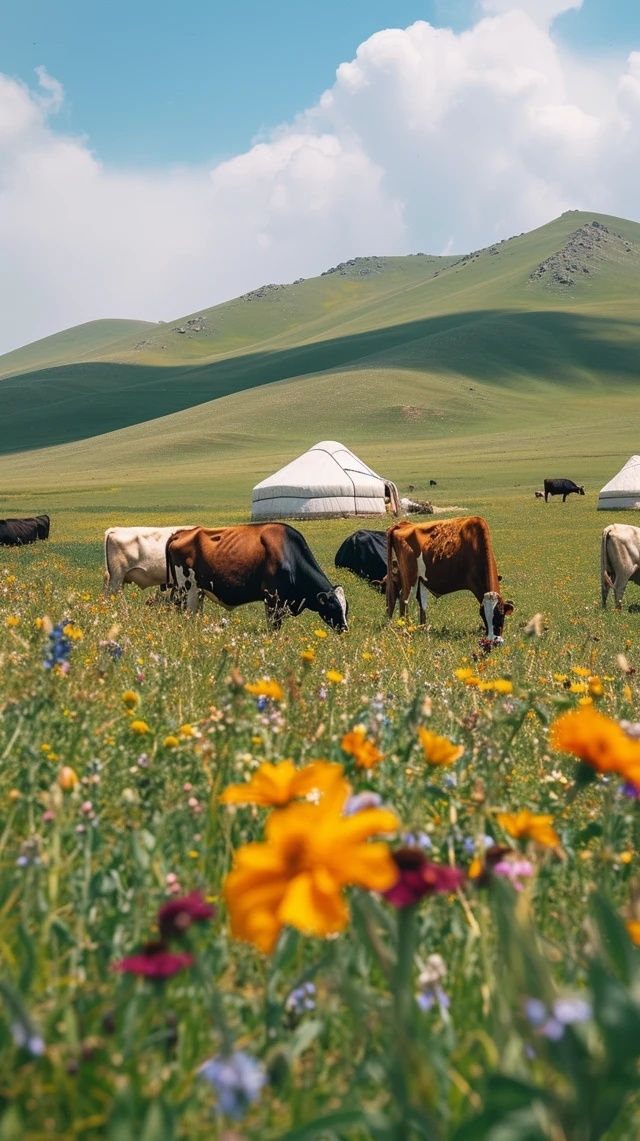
x: 633, y: 931
x: 277, y: 785
x: 68, y: 778
x: 297, y: 876
x: 525, y: 825
x: 598, y: 741
x: 266, y: 688
x: 439, y: 750
x: 357, y: 744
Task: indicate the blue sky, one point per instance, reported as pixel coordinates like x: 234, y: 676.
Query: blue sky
x: 156, y: 158
x: 152, y: 82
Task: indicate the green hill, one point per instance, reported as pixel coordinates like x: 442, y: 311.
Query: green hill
x: 530, y: 345
x: 73, y: 345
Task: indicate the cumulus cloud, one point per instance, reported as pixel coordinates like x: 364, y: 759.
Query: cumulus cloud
x: 428, y: 139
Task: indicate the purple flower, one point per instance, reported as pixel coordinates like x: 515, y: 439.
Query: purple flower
x: 360, y: 801
x: 418, y: 877
x: 237, y: 1079
x: 301, y: 999
x: 175, y: 916
x: 154, y: 961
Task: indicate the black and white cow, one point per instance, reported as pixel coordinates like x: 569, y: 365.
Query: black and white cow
x: 563, y: 487
x: 19, y: 532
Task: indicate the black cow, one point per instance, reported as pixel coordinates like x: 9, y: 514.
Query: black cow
x: 253, y: 562
x: 19, y: 532
x: 563, y: 487
x: 365, y: 553
x: 432, y: 483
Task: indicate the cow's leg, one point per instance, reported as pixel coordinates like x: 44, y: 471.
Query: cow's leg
x: 564, y: 497
x: 489, y: 603
x: 422, y: 594
x: 620, y: 583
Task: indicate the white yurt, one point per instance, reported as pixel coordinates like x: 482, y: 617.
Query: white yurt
x: 327, y: 480
x: 623, y: 491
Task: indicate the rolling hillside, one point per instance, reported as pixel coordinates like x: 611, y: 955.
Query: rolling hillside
x: 528, y: 347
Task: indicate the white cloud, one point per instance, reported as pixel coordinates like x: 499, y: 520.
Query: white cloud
x: 428, y: 139
x: 541, y: 11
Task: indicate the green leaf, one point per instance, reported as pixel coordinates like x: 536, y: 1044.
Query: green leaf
x: 616, y: 945
x: 330, y: 1123
x: 304, y: 1035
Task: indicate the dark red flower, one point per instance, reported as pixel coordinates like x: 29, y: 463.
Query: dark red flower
x: 419, y: 877
x: 177, y: 914
x: 154, y: 961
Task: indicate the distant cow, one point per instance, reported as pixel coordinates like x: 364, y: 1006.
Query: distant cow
x: 365, y: 554
x: 136, y: 554
x: 414, y: 507
x: 563, y: 487
x: 440, y: 558
x: 539, y: 494
x: 19, y: 532
x: 619, y: 560
x: 254, y: 562
x: 432, y: 483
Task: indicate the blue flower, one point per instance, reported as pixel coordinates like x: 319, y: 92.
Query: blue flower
x: 59, y: 647
x: 237, y: 1079
x: 301, y: 999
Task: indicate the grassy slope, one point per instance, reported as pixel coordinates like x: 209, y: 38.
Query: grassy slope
x: 476, y: 376
x: 72, y: 345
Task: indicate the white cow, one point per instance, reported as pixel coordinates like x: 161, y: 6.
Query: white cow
x: 620, y: 560
x: 136, y: 554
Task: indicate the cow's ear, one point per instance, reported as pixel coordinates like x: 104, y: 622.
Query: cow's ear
x: 509, y: 606
x: 322, y: 596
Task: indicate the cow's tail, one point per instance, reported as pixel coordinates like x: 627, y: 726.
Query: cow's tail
x: 170, y: 576
x: 107, y: 568
x: 391, y: 573
x: 606, y: 582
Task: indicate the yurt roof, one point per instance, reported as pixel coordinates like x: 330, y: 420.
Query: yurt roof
x: 627, y: 480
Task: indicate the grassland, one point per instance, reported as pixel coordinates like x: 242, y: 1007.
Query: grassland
x: 516, y: 383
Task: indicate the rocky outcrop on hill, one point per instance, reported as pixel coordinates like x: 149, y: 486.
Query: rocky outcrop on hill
x: 261, y: 292
x: 193, y: 325
x: 585, y: 249
x: 357, y: 267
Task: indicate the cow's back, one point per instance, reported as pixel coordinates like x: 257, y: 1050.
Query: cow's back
x: 137, y: 555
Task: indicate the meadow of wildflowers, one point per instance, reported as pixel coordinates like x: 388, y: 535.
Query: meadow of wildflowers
x: 293, y: 885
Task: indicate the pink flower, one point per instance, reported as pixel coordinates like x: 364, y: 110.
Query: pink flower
x: 175, y: 916
x: 419, y: 877
x: 154, y: 961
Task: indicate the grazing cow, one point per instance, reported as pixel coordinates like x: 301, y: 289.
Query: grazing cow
x: 442, y: 557
x: 136, y: 554
x: 432, y: 483
x: 254, y: 562
x: 539, y: 494
x: 619, y: 560
x: 563, y: 487
x: 19, y: 532
x: 365, y: 554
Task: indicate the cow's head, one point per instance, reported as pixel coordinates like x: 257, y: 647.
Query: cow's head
x: 581, y: 490
x: 493, y: 611
x: 333, y: 608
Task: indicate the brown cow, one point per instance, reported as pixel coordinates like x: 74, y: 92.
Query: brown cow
x: 440, y: 558
x: 253, y: 562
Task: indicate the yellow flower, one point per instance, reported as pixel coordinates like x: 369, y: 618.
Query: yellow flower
x: 525, y: 825
x: 297, y: 876
x: 633, y: 931
x: 357, y: 744
x: 308, y: 656
x: 320, y: 633
x: 463, y: 674
x: 439, y: 750
x: 580, y: 671
x: 68, y: 778
x: 187, y: 731
x: 596, y: 688
x: 366, y: 656
x: 46, y: 747
x: 277, y: 785
x: 494, y: 685
x: 597, y: 741
x: 577, y: 687
x: 560, y: 678
x: 12, y: 621
x: 14, y: 794
x: 266, y: 688
x: 38, y: 623
x: 131, y: 698
x: 139, y: 727
x: 171, y: 742
x: 73, y: 632
x: 334, y: 676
